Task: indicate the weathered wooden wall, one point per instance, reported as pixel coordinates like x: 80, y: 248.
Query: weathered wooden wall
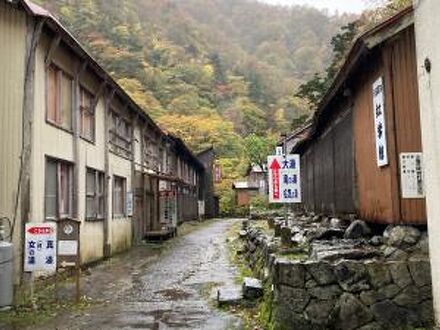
x: 328, y: 168
x: 379, y: 189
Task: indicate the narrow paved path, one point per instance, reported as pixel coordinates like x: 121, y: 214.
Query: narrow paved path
x: 174, y: 292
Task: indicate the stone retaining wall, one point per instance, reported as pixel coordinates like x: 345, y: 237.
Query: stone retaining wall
x: 345, y: 294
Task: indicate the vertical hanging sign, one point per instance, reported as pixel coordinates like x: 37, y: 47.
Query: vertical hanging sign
x: 284, y: 179
x: 379, y: 122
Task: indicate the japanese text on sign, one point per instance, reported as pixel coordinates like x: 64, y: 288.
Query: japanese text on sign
x: 379, y: 122
x: 411, y: 174
x: 284, y: 179
x: 40, y: 247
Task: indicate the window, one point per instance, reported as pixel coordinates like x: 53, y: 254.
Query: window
x: 59, y: 97
x: 120, y: 135
x: 95, y: 201
x: 58, y: 189
x: 87, y: 115
x: 118, y: 196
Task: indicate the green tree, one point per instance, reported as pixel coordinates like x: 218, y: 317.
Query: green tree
x: 257, y: 148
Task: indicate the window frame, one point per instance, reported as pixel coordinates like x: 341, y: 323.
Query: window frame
x: 123, y: 197
x: 59, y: 72
x: 115, y: 135
x: 91, y: 111
x: 59, y: 163
x: 98, y: 194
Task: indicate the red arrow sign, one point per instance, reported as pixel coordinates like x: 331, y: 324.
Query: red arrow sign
x: 275, y: 167
x: 40, y: 230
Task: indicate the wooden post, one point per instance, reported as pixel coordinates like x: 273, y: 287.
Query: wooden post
x: 107, y: 245
x: 34, y: 30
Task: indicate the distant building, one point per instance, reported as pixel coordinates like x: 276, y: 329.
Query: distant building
x: 244, y: 192
x: 257, y: 177
x: 208, y: 202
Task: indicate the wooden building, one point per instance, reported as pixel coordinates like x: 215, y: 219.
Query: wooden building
x: 75, y: 145
x: 244, y: 192
x: 362, y: 155
x: 208, y: 205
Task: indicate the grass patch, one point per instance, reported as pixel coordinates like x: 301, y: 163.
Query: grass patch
x: 42, y: 307
x: 256, y: 314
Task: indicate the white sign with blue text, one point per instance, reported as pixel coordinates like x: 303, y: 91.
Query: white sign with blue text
x: 284, y: 179
x: 379, y: 122
x: 40, y: 252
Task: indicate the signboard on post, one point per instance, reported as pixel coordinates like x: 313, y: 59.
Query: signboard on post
x: 284, y: 179
x: 379, y: 122
x: 40, y: 251
x: 68, y: 243
x: 411, y: 175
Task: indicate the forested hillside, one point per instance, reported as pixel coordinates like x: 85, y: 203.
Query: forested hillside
x: 210, y: 65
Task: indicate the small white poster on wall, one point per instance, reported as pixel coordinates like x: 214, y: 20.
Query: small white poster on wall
x: 411, y: 174
x: 380, y: 123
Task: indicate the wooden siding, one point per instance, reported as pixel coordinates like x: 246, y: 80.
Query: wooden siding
x: 12, y: 65
x: 327, y: 170
x: 378, y: 188
x: 407, y: 114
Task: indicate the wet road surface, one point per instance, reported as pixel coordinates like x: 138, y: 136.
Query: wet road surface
x: 175, y: 290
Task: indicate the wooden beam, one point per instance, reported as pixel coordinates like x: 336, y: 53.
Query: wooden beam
x: 52, y: 48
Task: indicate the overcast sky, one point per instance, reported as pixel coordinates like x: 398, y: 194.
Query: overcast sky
x: 351, y: 6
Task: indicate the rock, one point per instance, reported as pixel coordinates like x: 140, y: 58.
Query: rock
x: 252, y: 288
x: 378, y: 273
x: 371, y: 297
x: 390, y: 291
x: 357, y: 229
x: 329, y: 292
x: 318, y: 312
x: 423, y: 245
x: 243, y: 233
x: 403, y: 236
x: 410, y: 296
x: 322, y: 272
x: 400, y: 274
x: 420, y: 272
x: 298, y: 239
x: 387, y: 231
x: 290, y: 273
x: 372, y: 326
x: 376, y: 240
x: 329, y: 233
x: 277, y: 229
x: 352, y: 276
x: 352, y: 314
x: 392, y: 253
x: 351, y: 254
x: 425, y: 313
x: 229, y: 296
x: 338, y: 223
x: 271, y: 223
x: 391, y: 316
x: 296, y: 299
x: 286, y: 235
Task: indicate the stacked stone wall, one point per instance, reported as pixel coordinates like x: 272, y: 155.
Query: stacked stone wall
x: 344, y: 294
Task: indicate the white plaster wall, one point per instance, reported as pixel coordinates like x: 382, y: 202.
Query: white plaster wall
x: 120, y: 227
x: 427, y: 27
